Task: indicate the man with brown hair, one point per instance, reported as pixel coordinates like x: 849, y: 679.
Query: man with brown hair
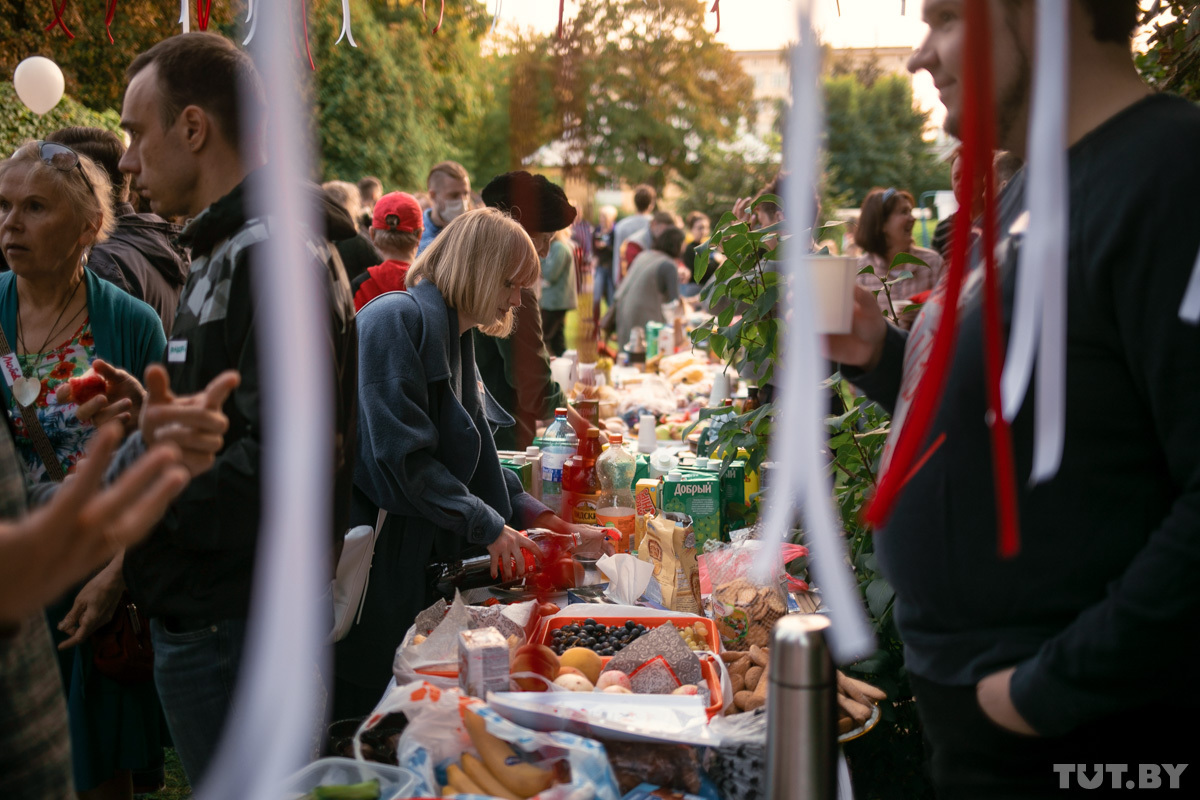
x: 1065, y: 654
x: 644, y: 199
x: 449, y: 188
x: 194, y: 111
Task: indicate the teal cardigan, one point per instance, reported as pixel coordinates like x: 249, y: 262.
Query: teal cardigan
x: 128, y: 333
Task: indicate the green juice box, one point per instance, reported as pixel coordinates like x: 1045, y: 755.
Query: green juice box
x: 524, y: 470
x: 697, y: 494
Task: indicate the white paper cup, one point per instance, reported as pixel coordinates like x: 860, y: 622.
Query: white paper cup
x: 833, y: 292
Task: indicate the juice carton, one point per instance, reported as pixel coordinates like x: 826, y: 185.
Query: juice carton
x: 518, y: 463
x: 697, y: 494
x: 482, y: 662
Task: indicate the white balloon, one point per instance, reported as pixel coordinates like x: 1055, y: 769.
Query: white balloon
x: 39, y: 83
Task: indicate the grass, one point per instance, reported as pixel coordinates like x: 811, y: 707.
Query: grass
x: 177, y: 787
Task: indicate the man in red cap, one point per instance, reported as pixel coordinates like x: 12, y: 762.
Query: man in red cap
x: 396, y: 231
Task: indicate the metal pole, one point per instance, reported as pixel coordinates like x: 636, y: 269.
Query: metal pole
x: 801, y: 712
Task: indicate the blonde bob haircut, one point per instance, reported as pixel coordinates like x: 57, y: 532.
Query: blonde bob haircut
x: 92, y: 206
x: 475, y: 261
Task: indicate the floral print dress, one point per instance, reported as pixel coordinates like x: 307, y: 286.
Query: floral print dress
x: 68, y: 436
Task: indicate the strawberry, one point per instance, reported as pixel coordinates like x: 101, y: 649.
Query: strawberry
x: 86, y: 386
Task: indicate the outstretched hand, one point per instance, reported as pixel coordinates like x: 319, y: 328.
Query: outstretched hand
x: 195, y: 423
x: 84, y: 524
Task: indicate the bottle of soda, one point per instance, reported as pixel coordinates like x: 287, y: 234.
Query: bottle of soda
x: 581, y: 489
x: 615, y: 509
x: 555, y: 451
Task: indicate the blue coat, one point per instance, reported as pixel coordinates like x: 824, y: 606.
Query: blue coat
x: 127, y: 332
x: 426, y: 455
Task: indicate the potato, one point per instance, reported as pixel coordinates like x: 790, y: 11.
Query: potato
x: 753, y: 676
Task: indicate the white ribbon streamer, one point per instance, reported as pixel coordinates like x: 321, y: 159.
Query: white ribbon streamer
x: 253, y: 28
x: 185, y: 16
x: 1190, y: 310
x: 1040, y: 313
x: 346, y: 34
x: 799, y: 435
x: 249, y: 10
x: 496, y: 17
x: 279, y: 697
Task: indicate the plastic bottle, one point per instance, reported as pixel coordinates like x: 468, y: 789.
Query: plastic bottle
x: 615, y: 508
x: 555, y: 452
x: 647, y: 435
x: 581, y: 489
x: 533, y: 454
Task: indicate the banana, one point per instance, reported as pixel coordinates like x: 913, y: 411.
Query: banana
x: 521, y: 778
x: 457, y: 778
x: 478, y: 772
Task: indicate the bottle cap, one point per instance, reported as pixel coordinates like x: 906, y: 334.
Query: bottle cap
x: 533, y: 451
x: 674, y: 475
x: 560, y: 412
x: 518, y: 460
x: 701, y: 463
x: 616, y: 438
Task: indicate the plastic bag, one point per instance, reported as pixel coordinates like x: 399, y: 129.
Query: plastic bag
x: 435, y: 737
x: 436, y: 658
x: 743, y: 608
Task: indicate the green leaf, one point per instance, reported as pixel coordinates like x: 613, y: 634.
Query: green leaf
x: 900, y: 276
x: 879, y: 597
x: 906, y: 258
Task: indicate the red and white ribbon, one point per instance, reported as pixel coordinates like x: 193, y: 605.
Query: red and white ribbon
x: 799, y: 437
x: 1039, y: 323
x: 346, y: 33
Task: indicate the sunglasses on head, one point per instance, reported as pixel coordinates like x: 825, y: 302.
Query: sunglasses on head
x: 889, y: 194
x: 63, y: 159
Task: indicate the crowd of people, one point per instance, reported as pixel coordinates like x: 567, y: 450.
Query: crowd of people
x: 138, y: 503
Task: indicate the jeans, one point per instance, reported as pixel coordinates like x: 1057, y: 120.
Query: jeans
x: 602, y: 288
x: 196, y: 672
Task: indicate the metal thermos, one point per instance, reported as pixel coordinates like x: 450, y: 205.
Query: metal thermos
x: 801, y: 711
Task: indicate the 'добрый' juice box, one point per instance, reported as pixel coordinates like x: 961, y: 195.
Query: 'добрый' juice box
x: 697, y: 494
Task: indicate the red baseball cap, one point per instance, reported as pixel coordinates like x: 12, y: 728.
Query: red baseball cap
x: 398, y: 211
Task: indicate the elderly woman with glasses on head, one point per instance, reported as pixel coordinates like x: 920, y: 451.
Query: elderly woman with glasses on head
x: 58, y: 320
x: 884, y: 231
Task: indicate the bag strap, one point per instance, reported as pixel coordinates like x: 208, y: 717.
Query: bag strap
x: 362, y: 601
x: 41, y: 443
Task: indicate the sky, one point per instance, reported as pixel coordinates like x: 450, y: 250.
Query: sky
x: 770, y: 24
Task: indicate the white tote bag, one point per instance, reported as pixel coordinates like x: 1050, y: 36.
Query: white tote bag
x: 353, y: 575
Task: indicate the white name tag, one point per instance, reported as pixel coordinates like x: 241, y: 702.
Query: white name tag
x: 11, y: 368
x: 177, y: 351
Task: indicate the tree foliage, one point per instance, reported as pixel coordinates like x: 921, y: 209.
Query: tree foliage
x: 647, y: 87
x: 1171, y: 62
x: 874, y: 137
x: 18, y: 124
x: 94, y: 68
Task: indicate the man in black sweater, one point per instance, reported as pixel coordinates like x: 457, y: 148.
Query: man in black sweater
x: 182, y: 109
x: 1076, y: 650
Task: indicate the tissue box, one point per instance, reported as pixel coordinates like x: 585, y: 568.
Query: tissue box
x: 699, y: 496
x: 589, y: 594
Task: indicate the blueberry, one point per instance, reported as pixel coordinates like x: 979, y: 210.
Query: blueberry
x: 589, y: 621
x: 630, y: 625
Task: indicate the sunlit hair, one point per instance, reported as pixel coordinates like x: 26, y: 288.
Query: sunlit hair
x: 475, y: 261
x: 346, y: 195
x: 90, y: 205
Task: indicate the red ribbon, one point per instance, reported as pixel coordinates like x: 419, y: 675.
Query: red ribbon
x: 717, y: 10
x: 978, y: 134
x: 58, y: 18
x: 441, y: 16
x: 108, y: 18
x: 304, y: 19
x: 561, y: 8
x: 203, y: 12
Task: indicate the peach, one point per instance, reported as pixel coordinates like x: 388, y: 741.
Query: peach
x: 589, y: 662
x: 614, y: 677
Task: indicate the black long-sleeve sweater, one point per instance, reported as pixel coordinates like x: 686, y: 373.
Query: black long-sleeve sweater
x: 1099, y: 610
